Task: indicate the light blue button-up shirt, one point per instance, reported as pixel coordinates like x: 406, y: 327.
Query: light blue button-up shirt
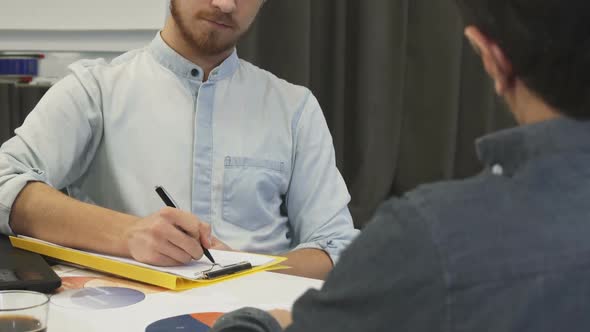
x: 245, y: 151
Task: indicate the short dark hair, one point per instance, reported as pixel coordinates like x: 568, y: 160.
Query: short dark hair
x: 547, y: 42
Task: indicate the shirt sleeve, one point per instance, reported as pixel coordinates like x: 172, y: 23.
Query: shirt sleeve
x: 317, y: 201
x: 247, y: 320
x: 390, y: 279
x: 57, y: 141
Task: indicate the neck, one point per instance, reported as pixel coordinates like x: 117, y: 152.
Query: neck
x: 172, y: 36
x: 527, y: 107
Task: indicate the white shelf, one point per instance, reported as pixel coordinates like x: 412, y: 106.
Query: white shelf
x: 75, y: 41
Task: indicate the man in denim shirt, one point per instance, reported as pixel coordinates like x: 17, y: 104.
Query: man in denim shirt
x: 248, y: 156
x: 508, y: 250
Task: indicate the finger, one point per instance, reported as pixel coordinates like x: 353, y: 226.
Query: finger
x: 182, y: 241
x: 190, y: 224
x: 187, y: 222
x: 214, y: 242
x: 180, y: 256
x: 205, y: 237
x: 151, y: 255
x: 163, y: 260
x: 218, y: 244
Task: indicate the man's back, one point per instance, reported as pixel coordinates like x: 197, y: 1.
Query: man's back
x: 504, y: 251
x: 514, y: 244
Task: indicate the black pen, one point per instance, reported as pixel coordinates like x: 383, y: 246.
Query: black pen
x: 168, y: 201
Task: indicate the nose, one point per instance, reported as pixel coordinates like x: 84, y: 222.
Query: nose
x: 226, y: 6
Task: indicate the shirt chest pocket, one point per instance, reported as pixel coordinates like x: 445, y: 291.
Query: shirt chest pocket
x: 253, y: 191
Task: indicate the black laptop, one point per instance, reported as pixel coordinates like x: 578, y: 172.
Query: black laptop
x: 23, y: 270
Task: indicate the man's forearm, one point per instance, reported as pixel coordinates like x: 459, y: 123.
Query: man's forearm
x: 45, y: 213
x: 310, y: 263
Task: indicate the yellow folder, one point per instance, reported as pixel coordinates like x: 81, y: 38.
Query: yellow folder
x: 129, y: 271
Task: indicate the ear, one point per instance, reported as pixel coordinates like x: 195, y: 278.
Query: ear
x: 494, y: 60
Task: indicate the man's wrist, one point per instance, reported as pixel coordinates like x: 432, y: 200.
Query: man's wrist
x: 125, y: 235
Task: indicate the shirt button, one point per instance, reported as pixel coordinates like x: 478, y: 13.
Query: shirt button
x: 195, y: 72
x: 498, y: 170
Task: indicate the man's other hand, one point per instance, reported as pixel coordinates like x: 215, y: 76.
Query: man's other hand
x: 217, y: 244
x: 284, y: 317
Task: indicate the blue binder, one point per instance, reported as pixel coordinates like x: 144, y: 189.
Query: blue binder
x: 11, y: 65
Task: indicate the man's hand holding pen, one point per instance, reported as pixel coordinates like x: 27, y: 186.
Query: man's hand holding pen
x: 169, y: 237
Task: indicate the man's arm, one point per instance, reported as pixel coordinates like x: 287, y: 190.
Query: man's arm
x: 52, y: 149
x: 391, y: 278
x: 55, y: 144
x: 45, y: 213
x: 310, y: 263
x: 317, y: 200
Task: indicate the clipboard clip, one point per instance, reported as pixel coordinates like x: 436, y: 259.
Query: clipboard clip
x: 227, y: 270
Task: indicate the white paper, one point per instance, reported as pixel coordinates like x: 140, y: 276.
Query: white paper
x: 194, y: 270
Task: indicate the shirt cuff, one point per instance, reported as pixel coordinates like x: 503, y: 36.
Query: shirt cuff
x: 9, y: 192
x: 332, y: 247
x: 247, y: 320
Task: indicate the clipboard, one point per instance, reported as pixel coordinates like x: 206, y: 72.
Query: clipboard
x: 227, y: 270
x: 153, y: 275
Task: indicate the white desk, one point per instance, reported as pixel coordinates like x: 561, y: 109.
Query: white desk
x: 90, y: 303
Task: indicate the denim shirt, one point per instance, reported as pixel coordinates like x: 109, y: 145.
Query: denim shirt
x: 245, y: 151
x: 507, y: 250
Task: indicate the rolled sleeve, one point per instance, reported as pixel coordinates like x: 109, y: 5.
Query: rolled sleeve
x: 318, y: 199
x: 56, y: 142
x: 333, y: 237
x: 11, y: 187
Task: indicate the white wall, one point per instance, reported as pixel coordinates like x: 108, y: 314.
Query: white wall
x: 82, y: 14
x: 79, y: 25
x: 69, y: 30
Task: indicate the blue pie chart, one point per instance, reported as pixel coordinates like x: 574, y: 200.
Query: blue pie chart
x: 98, y: 298
x: 199, y: 322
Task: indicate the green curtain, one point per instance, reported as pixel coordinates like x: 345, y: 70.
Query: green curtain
x: 404, y: 95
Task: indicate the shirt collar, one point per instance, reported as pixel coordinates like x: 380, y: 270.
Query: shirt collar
x: 184, y: 68
x: 512, y: 148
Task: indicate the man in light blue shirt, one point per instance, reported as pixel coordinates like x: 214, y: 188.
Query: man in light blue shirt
x: 248, y: 156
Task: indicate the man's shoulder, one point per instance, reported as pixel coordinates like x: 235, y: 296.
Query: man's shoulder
x: 453, y: 201
x: 101, y: 65
x: 272, y: 82
x: 427, y: 201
